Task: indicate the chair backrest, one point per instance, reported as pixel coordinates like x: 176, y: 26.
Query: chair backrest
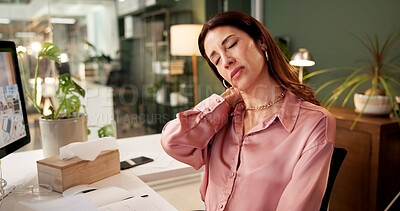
x: 336, y: 162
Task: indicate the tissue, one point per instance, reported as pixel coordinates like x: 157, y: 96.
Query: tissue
x: 88, y: 150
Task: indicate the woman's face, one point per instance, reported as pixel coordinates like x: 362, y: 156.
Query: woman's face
x: 239, y: 60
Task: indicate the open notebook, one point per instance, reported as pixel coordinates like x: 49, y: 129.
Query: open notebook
x: 108, y: 198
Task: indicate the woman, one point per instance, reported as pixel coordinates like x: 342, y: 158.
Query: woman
x: 265, y: 144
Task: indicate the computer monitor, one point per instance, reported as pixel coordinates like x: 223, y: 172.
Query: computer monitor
x: 14, y: 131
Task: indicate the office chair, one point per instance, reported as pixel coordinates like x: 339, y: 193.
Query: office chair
x: 336, y: 162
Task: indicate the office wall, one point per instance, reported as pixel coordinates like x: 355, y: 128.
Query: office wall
x: 324, y: 27
x: 197, y: 7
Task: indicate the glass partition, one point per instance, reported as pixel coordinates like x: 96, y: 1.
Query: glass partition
x: 85, y: 30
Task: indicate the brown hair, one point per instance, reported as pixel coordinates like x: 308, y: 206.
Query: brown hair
x: 278, y: 65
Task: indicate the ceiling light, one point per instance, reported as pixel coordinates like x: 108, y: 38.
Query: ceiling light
x: 5, y: 21
x: 62, y: 20
x: 25, y: 34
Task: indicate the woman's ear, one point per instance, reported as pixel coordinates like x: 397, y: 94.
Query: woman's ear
x: 263, y: 48
x: 262, y: 45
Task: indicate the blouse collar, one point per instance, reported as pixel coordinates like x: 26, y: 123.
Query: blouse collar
x: 289, y: 111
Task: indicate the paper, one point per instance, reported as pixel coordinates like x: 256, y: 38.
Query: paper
x: 107, y: 195
x: 108, y: 198
x: 136, y: 203
x: 77, y: 202
x: 88, y: 150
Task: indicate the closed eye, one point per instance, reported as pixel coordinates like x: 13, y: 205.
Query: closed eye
x: 217, y: 61
x: 229, y: 47
x: 233, y: 44
x: 226, y: 42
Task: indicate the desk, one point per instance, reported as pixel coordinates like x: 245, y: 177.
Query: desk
x: 23, y: 164
x: 151, y: 144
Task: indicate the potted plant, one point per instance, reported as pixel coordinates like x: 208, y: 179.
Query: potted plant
x: 68, y: 122
x: 378, y: 70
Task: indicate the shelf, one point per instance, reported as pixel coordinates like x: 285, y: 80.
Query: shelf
x: 157, y: 44
x: 129, y: 38
x: 147, y: 57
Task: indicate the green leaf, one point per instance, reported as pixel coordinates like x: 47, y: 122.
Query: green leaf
x: 69, y: 94
x: 50, y: 51
x: 352, y: 90
x: 79, y: 89
x: 105, y: 131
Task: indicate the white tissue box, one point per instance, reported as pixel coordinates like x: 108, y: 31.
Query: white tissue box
x: 63, y: 174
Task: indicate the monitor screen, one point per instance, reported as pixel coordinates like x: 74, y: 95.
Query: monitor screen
x: 14, y: 131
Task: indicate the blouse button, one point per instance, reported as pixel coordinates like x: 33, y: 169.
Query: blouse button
x: 218, y: 100
x: 221, y: 206
x: 208, y: 109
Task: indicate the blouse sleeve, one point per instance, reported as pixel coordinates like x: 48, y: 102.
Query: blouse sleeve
x: 307, y: 186
x: 186, y: 137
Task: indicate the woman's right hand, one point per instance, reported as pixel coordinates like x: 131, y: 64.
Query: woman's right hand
x: 232, y: 96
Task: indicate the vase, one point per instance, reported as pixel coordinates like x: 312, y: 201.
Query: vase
x: 56, y: 133
x: 377, y: 104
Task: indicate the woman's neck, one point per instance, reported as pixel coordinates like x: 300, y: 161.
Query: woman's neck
x: 262, y: 93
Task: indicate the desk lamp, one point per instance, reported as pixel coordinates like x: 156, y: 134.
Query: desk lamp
x: 302, y: 58
x: 184, y: 43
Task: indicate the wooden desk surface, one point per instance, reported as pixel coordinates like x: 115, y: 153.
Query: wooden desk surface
x: 348, y: 114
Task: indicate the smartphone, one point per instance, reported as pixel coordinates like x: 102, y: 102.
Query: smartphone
x: 134, y: 162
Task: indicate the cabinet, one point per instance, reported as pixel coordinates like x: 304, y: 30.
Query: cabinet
x: 163, y: 82
x: 370, y: 175
x: 165, y: 76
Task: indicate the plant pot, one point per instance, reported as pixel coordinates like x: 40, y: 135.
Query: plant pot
x: 60, y: 132
x: 377, y: 104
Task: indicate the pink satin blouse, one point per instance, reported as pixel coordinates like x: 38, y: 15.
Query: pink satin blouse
x: 280, y: 164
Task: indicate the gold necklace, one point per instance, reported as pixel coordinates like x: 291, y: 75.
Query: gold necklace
x: 280, y: 97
